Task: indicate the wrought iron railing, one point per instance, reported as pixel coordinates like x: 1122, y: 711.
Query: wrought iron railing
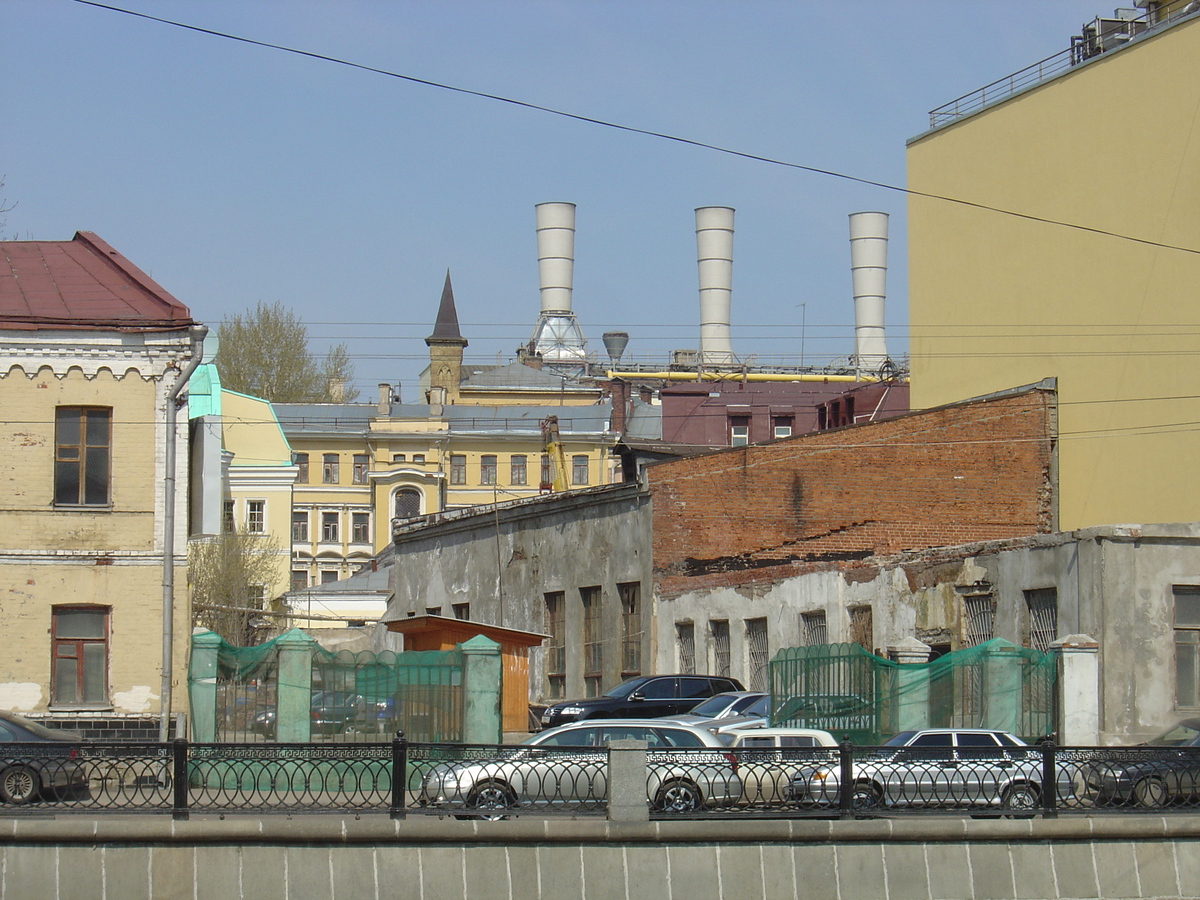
x: 497, y: 782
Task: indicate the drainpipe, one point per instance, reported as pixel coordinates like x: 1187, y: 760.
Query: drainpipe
x: 198, y: 332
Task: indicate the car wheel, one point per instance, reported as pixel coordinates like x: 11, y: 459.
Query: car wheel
x: 1150, y: 792
x: 678, y: 797
x: 1021, y: 798
x: 495, y: 798
x: 865, y: 795
x: 19, y: 784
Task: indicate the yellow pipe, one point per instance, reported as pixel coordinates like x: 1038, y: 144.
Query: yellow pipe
x: 739, y: 376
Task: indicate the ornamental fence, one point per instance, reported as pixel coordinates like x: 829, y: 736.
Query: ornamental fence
x: 399, y: 778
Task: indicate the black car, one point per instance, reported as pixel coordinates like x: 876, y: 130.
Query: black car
x: 46, y: 767
x: 1165, y: 770
x: 331, y: 712
x: 644, y: 697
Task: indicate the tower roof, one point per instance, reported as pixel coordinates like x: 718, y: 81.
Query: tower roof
x: 445, y: 329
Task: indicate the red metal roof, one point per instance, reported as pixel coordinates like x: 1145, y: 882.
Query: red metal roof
x: 82, y: 283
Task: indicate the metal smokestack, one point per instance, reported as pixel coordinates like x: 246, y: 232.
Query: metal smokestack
x: 714, y: 258
x: 868, y: 269
x: 556, y: 254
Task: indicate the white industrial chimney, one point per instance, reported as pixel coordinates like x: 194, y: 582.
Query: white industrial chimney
x: 714, y: 258
x: 868, y: 269
x: 557, y: 337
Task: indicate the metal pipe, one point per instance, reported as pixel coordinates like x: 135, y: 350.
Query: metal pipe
x: 714, y: 261
x: 737, y: 376
x: 556, y: 254
x: 868, y: 268
x: 198, y: 333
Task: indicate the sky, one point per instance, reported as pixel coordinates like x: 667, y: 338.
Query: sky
x: 234, y: 173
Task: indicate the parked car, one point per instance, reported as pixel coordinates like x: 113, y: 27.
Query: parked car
x: 330, y: 712
x: 536, y: 775
x: 723, y: 706
x: 769, y: 758
x: 47, y: 769
x: 964, y: 767
x: 1167, y: 772
x: 644, y: 697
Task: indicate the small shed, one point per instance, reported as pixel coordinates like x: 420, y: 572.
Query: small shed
x: 443, y: 633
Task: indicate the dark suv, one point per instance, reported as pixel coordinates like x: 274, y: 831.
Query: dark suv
x: 644, y: 697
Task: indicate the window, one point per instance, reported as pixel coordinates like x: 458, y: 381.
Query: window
x: 433, y: 610
x: 81, y: 456
x: 80, y: 662
x: 579, y: 470
x: 329, y: 526
x: 547, y: 479
x: 556, y: 645
x: 739, y: 431
x: 418, y: 457
x: 329, y: 468
x: 1042, y: 625
x: 408, y: 503
x: 398, y: 457
x: 328, y: 576
x: 299, y: 578
x: 781, y: 426
x: 1187, y: 647
x: 593, y: 648
x: 862, y: 627
x: 756, y: 654
x: 979, y: 619
x: 300, y: 461
x: 227, y: 521
x: 719, y: 630
x: 362, y: 464
x: 360, y: 527
x: 256, y: 516
x: 812, y: 628
x: 487, y: 469
x: 458, y: 468
x: 461, y: 610
x: 631, y: 629
x: 685, y: 641
x: 516, y: 471
x: 300, y: 525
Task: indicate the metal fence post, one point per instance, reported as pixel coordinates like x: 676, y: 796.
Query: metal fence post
x: 399, y: 774
x: 846, y: 779
x: 179, y: 775
x: 1049, y: 781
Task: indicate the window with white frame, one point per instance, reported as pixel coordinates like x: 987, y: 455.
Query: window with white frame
x: 487, y: 469
x: 516, y: 469
x: 360, y: 527
x: 330, y: 473
x: 300, y: 525
x: 579, y: 469
x: 739, y: 431
x: 781, y: 426
x: 300, y: 460
x: 361, y: 465
x: 458, y: 468
x: 329, y: 526
x: 256, y: 516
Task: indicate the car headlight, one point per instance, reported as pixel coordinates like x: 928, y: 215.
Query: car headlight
x: 823, y: 775
x: 570, y: 710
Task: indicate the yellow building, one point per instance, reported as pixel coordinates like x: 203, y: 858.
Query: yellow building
x: 93, y: 354
x: 1095, y: 281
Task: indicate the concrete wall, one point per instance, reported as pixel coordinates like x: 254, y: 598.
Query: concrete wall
x: 503, y: 560
x: 330, y: 858
x: 1114, y: 583
x: 996, y: 300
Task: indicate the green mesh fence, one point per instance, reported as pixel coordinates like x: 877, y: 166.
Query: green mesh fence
x: 845, y: 690
x: 353, y: 696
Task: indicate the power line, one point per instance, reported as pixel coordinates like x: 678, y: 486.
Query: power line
x: 591, y: 120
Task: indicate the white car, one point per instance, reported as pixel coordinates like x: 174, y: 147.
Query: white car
x: 769, y: 759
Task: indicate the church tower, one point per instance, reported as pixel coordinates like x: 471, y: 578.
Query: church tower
x: 445, y: 351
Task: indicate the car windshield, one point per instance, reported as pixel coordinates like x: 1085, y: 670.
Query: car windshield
x: 899, y: 740
x: 713, y: 706
x: 1182, y: 735
x: 759, y: 707
x: 625, y: 688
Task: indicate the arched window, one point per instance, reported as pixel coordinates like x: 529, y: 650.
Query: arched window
x: 408, y: 503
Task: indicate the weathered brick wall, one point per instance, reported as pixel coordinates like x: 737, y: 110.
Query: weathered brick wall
x: 975, y: 471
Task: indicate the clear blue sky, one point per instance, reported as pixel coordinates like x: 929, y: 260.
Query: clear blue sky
x: 234, y: 173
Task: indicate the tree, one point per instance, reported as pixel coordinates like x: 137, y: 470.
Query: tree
x: 264, y: 353
x: 230, y: 574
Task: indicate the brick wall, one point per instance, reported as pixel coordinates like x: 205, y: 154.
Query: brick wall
x: 975, y: 471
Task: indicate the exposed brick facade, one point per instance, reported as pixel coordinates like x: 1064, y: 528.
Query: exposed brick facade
x: 974, y: 471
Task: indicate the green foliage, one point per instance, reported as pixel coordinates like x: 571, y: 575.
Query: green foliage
x: 264, y: 353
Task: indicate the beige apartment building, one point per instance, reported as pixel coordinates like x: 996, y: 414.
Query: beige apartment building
x: 92, y: 353
x: 1091, y: 275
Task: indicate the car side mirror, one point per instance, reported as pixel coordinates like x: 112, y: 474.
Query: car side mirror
x: 636, y: 696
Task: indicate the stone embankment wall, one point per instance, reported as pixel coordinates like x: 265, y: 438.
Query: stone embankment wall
x: 318, y: 857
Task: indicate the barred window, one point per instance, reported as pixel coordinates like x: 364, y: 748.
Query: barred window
x: 814, y: 629
x: 556, y: 645
x: 1041, y: 628
x: 979, y: 619
x: 631, y: 629
x: 685, y: 641
x: 408, y: 503
x: 593, y: 646
x: 756, y: 654
x: 719, y: 631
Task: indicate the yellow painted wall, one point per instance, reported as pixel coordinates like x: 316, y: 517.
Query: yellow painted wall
x: 997, y: 301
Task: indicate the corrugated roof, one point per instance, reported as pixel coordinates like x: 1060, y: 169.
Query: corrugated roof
x: 82, y: 283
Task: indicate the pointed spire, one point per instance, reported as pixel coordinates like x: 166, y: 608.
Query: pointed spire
x: 445, y: 329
